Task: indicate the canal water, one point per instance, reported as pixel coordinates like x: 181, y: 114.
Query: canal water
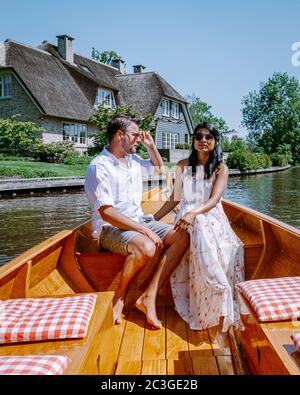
x: 27, y: 221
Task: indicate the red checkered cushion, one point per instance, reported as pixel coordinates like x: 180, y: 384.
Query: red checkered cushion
x: 273, y: 299
x: 23, y: 320
x: 33, y: 364
x: 296, y: 339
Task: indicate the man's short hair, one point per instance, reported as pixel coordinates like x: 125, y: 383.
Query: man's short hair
x: 119, y: 122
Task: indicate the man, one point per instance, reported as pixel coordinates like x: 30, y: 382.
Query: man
x: 113, y: 185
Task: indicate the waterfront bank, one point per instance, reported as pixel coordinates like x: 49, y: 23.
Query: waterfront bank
x: 14, y: 187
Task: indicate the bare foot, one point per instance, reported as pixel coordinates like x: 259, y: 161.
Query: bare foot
x: 145, y: 307
x: 118, y: 304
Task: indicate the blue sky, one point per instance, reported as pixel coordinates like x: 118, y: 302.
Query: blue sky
x: 217, y: 50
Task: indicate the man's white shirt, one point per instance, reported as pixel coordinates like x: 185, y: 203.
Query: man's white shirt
x: 112, y: 182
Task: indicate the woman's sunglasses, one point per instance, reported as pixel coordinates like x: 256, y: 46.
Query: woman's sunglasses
x: 200, y: 136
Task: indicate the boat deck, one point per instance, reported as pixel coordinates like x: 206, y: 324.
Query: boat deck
x: 175, y: 349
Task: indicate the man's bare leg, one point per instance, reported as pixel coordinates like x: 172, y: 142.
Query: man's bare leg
x: 179, y: 242
x: 140, y: 250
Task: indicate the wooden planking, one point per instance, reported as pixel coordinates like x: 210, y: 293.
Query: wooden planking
x: 288, y: 240
x: 102, y: 269
x: 132, y: 344
x: 279, y: 336
x: 198, y: 343
x: 219, y: 341
x: 128, y: 368
x: 177, y: 345
x: 155, y: 340
x: 21, y: 284
x: 226, y: 365
x: 43, y: 267
x: 205, y: 365
x: 119, y: 331
x: 69, y: 266
x: 249, y: 238
x: 54, y: 284
x: 156, y: 367
x: 35, y: 253
x: 281, y: 266
x: 179, y: 366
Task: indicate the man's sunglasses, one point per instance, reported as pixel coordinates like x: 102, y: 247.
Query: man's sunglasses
x: 200, y: 136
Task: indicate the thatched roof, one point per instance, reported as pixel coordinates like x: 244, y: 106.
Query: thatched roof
x: 144, y: 91
x: 67, y: 90
x: 49, y: 81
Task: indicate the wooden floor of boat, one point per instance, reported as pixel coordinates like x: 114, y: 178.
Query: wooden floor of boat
x: 175, y: 349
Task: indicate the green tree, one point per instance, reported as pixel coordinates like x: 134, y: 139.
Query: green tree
x: 237, y: 143
x: 18, y: 137
x: 272, y: 115
x: 201, y: 112
x: 106, y: 57
x: 104, y: 114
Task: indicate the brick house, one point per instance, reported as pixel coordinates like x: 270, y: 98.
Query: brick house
x: 59, y: 90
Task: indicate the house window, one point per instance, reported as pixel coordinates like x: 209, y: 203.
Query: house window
x: 169, y: 140
x: 5, y: 86
x: 165, y: 108
x: 76, y: 132
x: 187, y: 138
x: 105, y: 98
x: 175, y: 110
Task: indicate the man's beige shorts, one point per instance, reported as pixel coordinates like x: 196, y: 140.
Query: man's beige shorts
x: 116, y: 240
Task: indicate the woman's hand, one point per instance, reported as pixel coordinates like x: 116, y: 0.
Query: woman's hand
x: 186, y: 221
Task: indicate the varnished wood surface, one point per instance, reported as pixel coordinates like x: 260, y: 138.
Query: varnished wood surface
x: 175, y: 349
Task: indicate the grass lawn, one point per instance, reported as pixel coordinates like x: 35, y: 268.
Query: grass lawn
x: 30, y: 169
x: 24, y: 168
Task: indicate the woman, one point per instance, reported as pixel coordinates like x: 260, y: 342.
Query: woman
x: 203, y: 283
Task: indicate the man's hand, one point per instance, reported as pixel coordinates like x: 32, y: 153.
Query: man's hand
x: 147, y: 139
x: 152, y: 236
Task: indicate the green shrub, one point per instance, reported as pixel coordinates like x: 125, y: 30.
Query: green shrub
x: 18, y: 137
x: 53, y: 152
x: 263, y: 161
x: 245, y: 160
x: 75, y: 159
x: 183, y: 146
x: 279, y: 159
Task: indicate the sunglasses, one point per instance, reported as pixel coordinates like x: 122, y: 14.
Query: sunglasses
x: 200, y: 136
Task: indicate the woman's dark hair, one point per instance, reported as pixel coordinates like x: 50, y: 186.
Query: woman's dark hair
x: 119, y: 122
x: 216, y: 157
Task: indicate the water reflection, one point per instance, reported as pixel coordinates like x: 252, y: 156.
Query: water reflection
x: 27, y: 221
x: 274, y: 194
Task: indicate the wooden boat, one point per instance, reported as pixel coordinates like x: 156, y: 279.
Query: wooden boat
x: 70, y: 263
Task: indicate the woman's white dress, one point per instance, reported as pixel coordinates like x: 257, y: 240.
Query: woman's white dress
x: 203, y: 282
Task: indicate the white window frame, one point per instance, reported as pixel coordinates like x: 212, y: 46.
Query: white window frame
x: 6, y: 86
x: 165, y: 108
x: 169, y: 140
x: 105, y: 98
x: 175, y: 110
x: 75, y: 132
x: 189, y: 138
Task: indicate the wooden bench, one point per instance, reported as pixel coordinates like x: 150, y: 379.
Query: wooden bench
x: 94, y: 354
x: 50, y: 270
x: 268, y: 346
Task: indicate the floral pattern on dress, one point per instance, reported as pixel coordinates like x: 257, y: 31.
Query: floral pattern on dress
x: 203, y: 284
